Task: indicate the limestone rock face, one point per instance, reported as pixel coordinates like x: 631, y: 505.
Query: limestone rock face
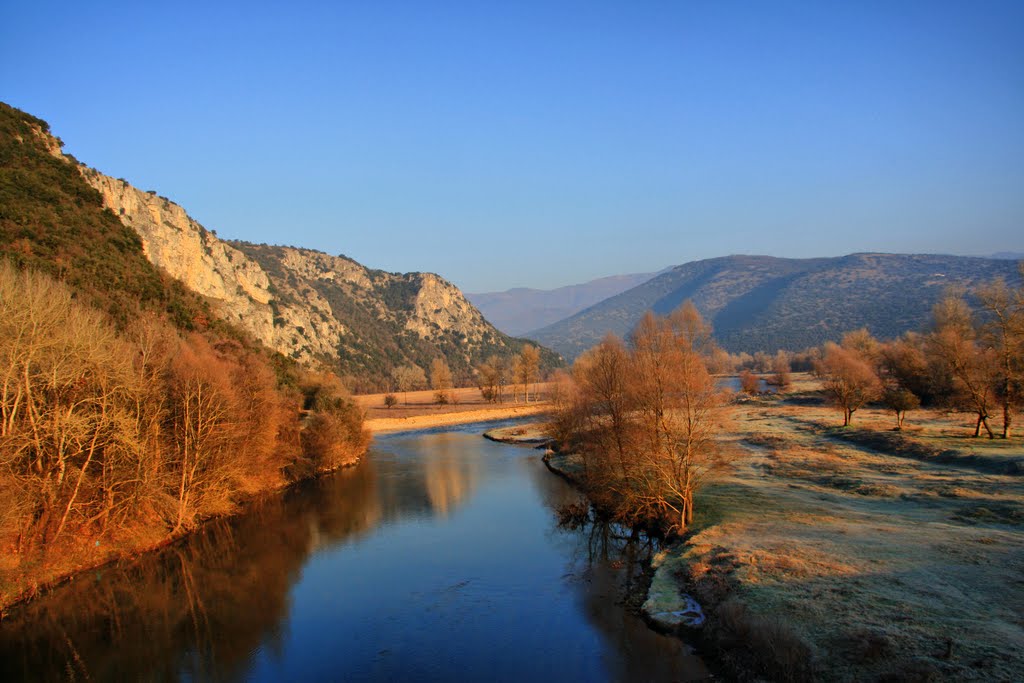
x: 306, y: 304
x: 439, y: 305
x: 188, y: 252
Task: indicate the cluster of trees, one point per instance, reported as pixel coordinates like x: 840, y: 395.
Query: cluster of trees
x: 643, y: 416
x: 494, y: 374
x: 108, y: 430
x: 971, y: 360
x: 765, y: 363
x: 780, y: 369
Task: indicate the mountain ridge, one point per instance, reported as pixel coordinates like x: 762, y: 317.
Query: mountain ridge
x: 763, y: 303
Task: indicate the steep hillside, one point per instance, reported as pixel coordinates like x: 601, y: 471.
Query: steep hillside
x: 761, y: 303
x: 127, y: 250
x: 521, y: 310
x: 52, y: 221
x: 376, y: 320
x: 308, y: 305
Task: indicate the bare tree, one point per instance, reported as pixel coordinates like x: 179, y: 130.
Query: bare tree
x: 749, y: 382
x: 676, y: 403
x: 644, y: 419
x: 780, y: 371
x: 491, y: 377
x: 974, y: 371
x: 862, y: 343
x: 527, y: 369
x: 139, y: 429
x: 440, y: 380
x: 408, y: 378
x: 849, y: 379
x: 900, y: 400
x: 691, y: 330
x: 1003, y: 332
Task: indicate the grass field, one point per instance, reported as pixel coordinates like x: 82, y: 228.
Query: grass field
x: 858, y: 554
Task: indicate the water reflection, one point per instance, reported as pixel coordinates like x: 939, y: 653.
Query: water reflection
x: 437, y: 558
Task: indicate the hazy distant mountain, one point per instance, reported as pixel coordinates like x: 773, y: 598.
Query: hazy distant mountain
x: 1011, y: 255
x: 762, y: 303
x: 517, y: 311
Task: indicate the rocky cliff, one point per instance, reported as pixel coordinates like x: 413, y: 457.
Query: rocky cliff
x: 309, y: 305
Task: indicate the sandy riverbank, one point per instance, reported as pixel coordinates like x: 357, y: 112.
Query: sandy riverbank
x: 418, y: 410
x: 444, y: 419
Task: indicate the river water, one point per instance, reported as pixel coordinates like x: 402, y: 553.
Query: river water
x: 438, y: 558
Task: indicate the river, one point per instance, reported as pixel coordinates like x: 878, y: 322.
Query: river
x: 438, y: 558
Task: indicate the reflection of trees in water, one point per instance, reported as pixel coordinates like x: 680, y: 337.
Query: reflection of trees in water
x: 449, y: 480
x: 202, y: 607
x: 607, y: 563
x: 610, y: 568
x: 437, y: 475
x: 198, y: 609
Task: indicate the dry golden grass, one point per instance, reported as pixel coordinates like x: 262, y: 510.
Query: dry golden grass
x: 414, y: 403
x: 417, y: 409
x: 820, y: 557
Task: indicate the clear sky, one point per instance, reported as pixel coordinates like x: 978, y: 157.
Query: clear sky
x: 545, y: 143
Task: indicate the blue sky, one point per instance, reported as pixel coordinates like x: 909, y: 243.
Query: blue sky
x: 542, y: 144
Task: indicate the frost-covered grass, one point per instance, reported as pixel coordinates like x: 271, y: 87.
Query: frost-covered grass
x: 821, y: 557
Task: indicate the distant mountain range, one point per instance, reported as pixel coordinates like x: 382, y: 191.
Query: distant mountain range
x: 763, y: 303
x: 521, y: 310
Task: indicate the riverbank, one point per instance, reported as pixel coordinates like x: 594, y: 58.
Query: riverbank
x: 23, y: 579
x: 831, y: 554
x: 532, y: 434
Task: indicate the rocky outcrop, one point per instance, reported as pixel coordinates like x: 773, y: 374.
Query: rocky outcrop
x: 187, y: 251
x: 306, y: 304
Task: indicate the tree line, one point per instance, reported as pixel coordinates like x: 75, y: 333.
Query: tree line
x: 493, y: 377
x: 144, y: 430
x: 971, y: 360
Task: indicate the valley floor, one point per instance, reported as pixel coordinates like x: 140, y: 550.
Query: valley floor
x: 858, y: 553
